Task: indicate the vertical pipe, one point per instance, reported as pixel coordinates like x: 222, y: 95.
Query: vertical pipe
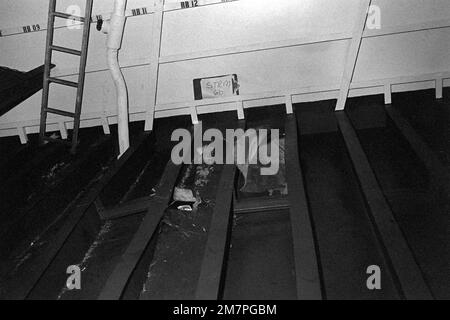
x: 114, y: 43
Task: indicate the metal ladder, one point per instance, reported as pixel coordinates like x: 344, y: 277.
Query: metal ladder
x: 50, y: 47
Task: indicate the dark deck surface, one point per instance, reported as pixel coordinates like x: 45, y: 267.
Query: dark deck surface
x: 347, y: 243
x: 416, y: 199
x: 38, y: 183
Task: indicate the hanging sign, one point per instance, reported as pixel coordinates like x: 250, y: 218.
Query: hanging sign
x: 216, y: 87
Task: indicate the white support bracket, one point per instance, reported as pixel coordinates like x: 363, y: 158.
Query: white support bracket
x: 439, y: 88
x: 105, y: 125
x: 353, y: 53
x: 240, y: 110
x: 155, y: 53
x: 22, y: 135
x: 63, y: 130
x: 387, y: 93
x: 194, y: 115
x: 289, y: 107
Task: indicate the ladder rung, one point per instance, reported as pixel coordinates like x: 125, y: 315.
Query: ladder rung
x: 61, y: 112
x: 68, y: 16
x: 66, y: 50
x: 63, y: 82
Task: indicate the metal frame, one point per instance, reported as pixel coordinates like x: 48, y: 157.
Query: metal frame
x: 155, y: 53
x: 117, y: 281
x: 396, y: 250
x: 306, y: 261
x: 212, y: 273
x: 352, y: 57
x: 399, y: 257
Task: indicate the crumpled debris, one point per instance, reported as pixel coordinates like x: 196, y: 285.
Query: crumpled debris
x: 185, y: 207
x: 202, y: 175
x: 54, y: 135
x: 184, y: 191
x: 53, y: 170
x: 184, y: 200
x: 183, y: 195
x: 254, y: 182
x: 198, y: 200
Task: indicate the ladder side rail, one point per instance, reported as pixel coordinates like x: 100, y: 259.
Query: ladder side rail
x: 47, y: 68
x: 82, y: 72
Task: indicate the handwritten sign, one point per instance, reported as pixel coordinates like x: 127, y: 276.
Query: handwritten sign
x: 216, y: 87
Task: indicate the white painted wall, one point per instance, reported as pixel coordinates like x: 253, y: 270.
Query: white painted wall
x: 229, y: 26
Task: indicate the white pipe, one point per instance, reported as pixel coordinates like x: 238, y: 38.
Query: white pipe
x: 115, y: 30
